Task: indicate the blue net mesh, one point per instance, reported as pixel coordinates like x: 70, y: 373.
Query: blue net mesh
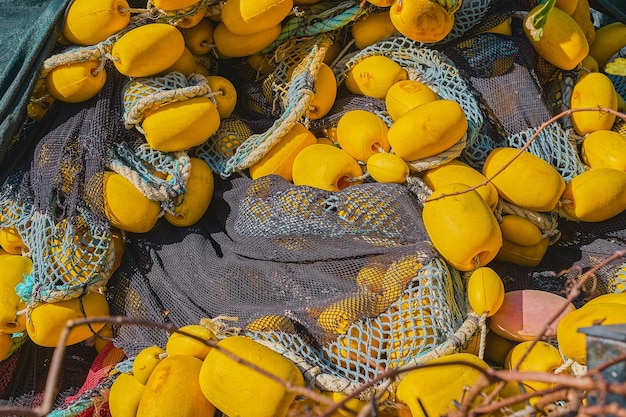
x: 160, y: 176
x: 142, y: 95
x: 430, y: 67
x: 16, y: 203
x: 315, y: 20
x: 619, y: 81
x: 554, y: 145
x: 467, y: 17
x: 69, y: 257
x: 297, y: 97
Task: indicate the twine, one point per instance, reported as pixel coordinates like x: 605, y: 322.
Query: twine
x: 196, y: 85
x: 482, y: 324
x: 160, y: 190
x: 219, y: 327
x: 74, y: 55
x: 256, y: 146
x: 441, y: 158
x: 547, y: 222
x: 320, y: 19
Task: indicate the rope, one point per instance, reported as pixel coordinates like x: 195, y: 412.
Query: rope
x: 442, y: 158
x: 482, y: 324
x: 548, y: 222
x: 139, y: 99
x: 300, y: 88
x: 323, y: 20
x: 128, y: 164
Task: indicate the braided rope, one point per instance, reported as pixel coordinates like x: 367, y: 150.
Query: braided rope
x: 299, y: 96
x: 441, y: 158
x: 142, y: 95
x: 101, y: 50
x: 482, y: 325
x: 73, y: 55
x: 419, y: 188
x: 132, y: 166
x: 319, y: 19
x: 546, y: 221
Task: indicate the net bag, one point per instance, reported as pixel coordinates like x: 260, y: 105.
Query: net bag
x: 313, y: 274
x: 295, y: 256
x: 72, y: 246
x: 468, y: 16
x: 345, y: 284
x: 518, y: 93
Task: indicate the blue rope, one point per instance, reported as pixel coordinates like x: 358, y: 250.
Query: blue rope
x: 300, y: 26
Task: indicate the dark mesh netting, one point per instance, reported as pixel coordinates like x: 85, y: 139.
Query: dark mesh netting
x: 268, y: 248
x: 345, y: 284
x: 517, y: 92
x: 30, y: 366
x: 44, y: 197
x: 580, y: 247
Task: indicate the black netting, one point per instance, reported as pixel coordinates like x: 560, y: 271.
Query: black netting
x: 31, y: 366
x: 269, y: 248
x: 340, y: 270
x: 500, y: 69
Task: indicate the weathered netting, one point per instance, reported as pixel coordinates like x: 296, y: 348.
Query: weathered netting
x: 222, y: 145
x: 432, y: 68
x: 271, y: 248
x: 315, y: 20
x: 518, y: 92
x: 90, y: 398
x: 45, y: 199
x: 28, y: 367
x: 308, y: 54
x: 351, y: 275
x: 69, y: 257
x: 144, y: 95
x: 277, y: 86
x: 467, y: 17
x: 619, y: 81
x: 501, y: 72
x: 69, y: 242
x: 16, y: 203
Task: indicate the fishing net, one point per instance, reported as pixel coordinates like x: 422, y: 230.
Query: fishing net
x: 345, y: 284
x: 28, y: 368
x: 518, y: 92
x: 467, y: 18
x: 286, y: 93
x: 502, y: 72
x: 336, y: 266
x: 423, y: 64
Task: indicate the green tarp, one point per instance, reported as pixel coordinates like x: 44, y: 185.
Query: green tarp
x: 28, y: 32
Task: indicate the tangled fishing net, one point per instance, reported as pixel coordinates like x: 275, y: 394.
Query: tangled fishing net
x: 345, y: 284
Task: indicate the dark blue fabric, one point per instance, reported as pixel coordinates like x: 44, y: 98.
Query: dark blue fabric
x: 29, y: 30
x: 615, y: 9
